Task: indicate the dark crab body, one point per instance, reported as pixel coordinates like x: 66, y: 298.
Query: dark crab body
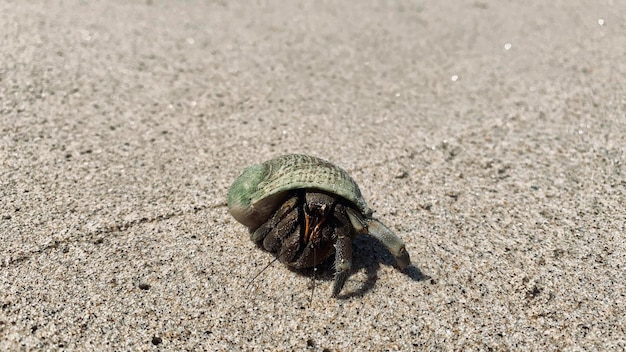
x: 303, y: 210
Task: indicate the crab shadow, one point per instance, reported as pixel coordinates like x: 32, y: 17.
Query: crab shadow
x: 368, y: 254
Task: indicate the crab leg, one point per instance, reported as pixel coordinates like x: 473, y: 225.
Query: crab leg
x: 343, y: 259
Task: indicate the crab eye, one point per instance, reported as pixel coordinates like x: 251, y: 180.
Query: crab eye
x: 316, y: 209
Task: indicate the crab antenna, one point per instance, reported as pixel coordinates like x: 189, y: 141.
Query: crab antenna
x: 260, y: 272
x: 314, y: 279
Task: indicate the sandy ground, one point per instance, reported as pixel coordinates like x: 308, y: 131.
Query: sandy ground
x: 491, y: 136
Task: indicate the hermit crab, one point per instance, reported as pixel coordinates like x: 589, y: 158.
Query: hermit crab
x: 303, y: 210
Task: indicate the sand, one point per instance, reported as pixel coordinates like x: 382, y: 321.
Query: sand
x: 490, y: 136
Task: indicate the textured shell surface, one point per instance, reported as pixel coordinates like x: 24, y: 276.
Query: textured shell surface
x: 260, y: 189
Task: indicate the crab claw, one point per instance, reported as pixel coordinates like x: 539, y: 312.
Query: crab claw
x: 382, y: 233
x: 393, y: 243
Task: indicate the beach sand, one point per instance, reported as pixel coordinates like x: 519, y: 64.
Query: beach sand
x: 490, y: 136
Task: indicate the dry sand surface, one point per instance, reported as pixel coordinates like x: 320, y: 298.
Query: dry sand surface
x: 489, y: 135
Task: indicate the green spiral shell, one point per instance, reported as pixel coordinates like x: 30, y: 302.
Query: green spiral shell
x: 256, y: 194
